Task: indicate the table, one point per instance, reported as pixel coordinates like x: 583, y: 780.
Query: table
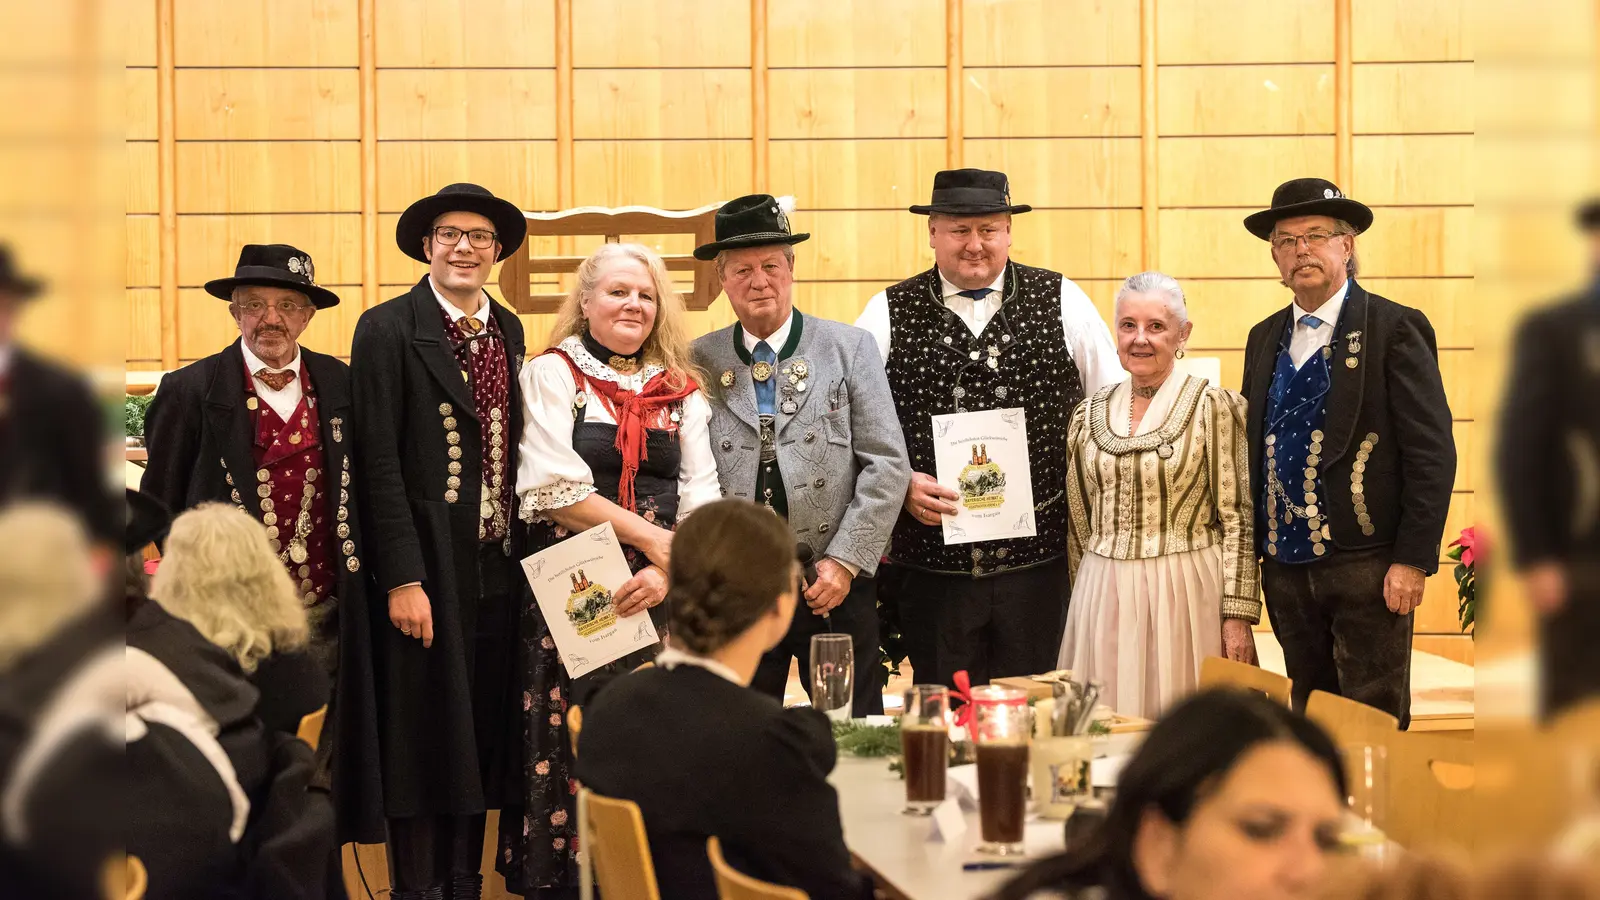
x: 895, y: 848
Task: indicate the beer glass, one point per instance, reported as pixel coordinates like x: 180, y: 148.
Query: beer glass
x: 1367, y: 775
x: 925, y: 746
x: 1000, y: 729
x: 832, y: 674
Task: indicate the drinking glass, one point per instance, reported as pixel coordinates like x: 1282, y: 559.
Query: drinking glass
x: 925, y: 746
x: 832, y: 674
x: 1367, y: 774
x: 1000, y: 729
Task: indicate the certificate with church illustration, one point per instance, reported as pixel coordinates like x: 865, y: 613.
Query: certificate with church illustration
x: 983, y: 456
x: 575, y: 583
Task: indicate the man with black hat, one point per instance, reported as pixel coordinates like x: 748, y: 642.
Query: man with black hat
x: 52, y: 428
x: 435, y: 373
x: 1351, y: 456
x: 833, y: 465
x: 1548, y: 458
x: 979, y: 331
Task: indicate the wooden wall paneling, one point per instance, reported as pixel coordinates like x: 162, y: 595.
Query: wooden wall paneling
x: 875, y: 245
x: 1080, y: 243
x: 1411, y: 30
x: 368, y: 78
x: 666, y: 175
x: 140, y: 105
x: 332, y: 329
x: 1466, y: 458
x: 1224, y: 310
x: 465, y: 34
x: 144, y: 251
x: 1404, y: 241
x: 760, y: 117
x: 268, y: 104
x: 254, y: 33
x: 1463, y: 514
x: 1051, y: 33
x: 520, y: 171
x: 855, y: 33
x: 852, y: 174
x: 1246, y: 99
x: 856, y: 103
x: 139, y: 20
x: 655, y: 34
x: 661, y: 103
x: 466, y: 104
x: 144, y: 327
x: 1457, y: 647
x: 1149, y: 143
x: 1072, y: 102
x: 1567, y: 102
x: 841, y: 301
x: 269, y: 176
x: 1438, y: 613
x: 166, y: 243
x: 1244, y: 31
x: 1415, y: 98
x: 143, y: 176
x: 1062, y: 172
x: 1447, y: 302
x: 1238, y: 171
x: 955, y: 85
x: 1415, y: 169
x: 1343, y: 119
x: 208, y: 246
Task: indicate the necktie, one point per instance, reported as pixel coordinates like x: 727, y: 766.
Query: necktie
x: 976, y: 294
x: 276, y: 380
x: 1311, y: 322
x: 766, y: 391
x: 469, y: 326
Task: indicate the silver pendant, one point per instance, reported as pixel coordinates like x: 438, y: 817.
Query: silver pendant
x: 297, y: 551
x: 1164, y: 451
x: 789, y: 407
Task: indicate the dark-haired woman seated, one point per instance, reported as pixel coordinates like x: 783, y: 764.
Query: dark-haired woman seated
x: 1230, y: 797
x: 738, y: 766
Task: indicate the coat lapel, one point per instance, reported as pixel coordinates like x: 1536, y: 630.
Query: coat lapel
x: 228, y: 419
x: 1346, y: 383
x: 816, y: 381
x: 740, y: 397
x: 1266, y: 360
x: 333, y: 402
x: 435, y: 350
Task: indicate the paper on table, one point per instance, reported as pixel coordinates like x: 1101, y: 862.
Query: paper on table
x: 1105, y: 771
x: 983, y: 456
x: 961, y: 783
x: 574, y: 583
x: 949, y: 824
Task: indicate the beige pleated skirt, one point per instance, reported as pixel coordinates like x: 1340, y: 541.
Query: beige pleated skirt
x: 1142, y: 626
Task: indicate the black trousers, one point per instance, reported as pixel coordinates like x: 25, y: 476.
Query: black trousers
x: 1337, y: 632
x: 994, y: 627
x: 857, y: 616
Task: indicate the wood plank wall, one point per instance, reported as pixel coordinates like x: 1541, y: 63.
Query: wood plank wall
x: 1142, y: 131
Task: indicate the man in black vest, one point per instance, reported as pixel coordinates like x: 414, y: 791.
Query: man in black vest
x: 435, y: 376
x: 1548, y: 460
x: 978, y: 332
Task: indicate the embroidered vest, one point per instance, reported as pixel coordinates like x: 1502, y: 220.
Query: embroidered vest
x: 936, y: 366
x: 482, y: 358
x: 292, y: 483
x: 1290, y: 518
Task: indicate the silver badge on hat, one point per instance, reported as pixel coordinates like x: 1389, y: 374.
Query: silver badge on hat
x: 294, y: 264
x: 1329, y: 193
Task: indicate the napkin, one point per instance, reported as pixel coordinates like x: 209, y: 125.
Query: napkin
x: 961, y: 782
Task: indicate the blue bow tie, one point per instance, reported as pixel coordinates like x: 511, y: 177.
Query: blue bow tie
x: 976, y: 293
x: 1311, y: 321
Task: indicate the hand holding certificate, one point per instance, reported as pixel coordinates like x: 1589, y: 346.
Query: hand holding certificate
x: 575, y: 584
x: 983, y: 456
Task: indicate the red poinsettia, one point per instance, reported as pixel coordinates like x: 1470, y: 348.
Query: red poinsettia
x: 1466, y: 550
x: 1468, y: 542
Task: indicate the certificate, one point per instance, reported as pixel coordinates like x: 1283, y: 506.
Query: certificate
x: 575, y: 583
x: 983, y: 456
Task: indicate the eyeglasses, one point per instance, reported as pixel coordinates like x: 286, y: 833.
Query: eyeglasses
x: 479, y: 238
x: 284, y: 307
x: 1315, y: 240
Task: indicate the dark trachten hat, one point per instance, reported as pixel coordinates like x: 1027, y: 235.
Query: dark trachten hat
x: 751, y: 221
x: 416, y: 223
x: 274, y: 265
x: 970, y: 192
x: 13, y: 282
x: 1308, y: 197
x: 148, y: 521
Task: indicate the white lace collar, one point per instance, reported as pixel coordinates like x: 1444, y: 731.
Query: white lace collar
x: 600, y: 371
x: 672, y: 657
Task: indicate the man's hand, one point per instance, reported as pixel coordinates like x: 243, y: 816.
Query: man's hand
x: 830, y: 588
x: 926, y: 499
x: 1239, y: 642
x: 411, y: 612
x: 1546, y: 586
x: 644, y: 590
x: 1402, y: 588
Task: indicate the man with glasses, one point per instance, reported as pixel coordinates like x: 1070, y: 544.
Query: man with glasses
x: 1351, y: 456
x: 435, y: 378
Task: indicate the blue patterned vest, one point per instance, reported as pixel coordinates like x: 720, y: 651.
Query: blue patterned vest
x: 1289, y: 519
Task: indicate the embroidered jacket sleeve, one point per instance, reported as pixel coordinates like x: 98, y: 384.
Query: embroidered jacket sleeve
x: 1078, y: 490
x: 697, y: 467
x: 550, y: 473
x: 1088, y: 338
x: 1223, y: 415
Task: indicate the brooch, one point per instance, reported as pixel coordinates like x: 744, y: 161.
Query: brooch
x: 727, y: 378
x: 626, y: 365
x: 338, y: 434
x: 761, y: 371
x: 1353, y: 344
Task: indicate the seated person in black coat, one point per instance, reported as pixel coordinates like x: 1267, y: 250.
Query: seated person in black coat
x: 741, y: 767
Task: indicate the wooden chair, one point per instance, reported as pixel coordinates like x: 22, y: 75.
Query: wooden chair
x: 733, y: 884
x: 124, y: 878
x: 613, y: 835
x: 1350, y: 722
x: 1430, y: 785
x: 310, y: 729
x: 516, y: 269
x: 1217, y: 671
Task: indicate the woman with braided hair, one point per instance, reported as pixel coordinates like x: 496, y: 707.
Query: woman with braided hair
x: 742, y: 768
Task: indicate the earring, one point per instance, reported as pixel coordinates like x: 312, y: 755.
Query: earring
x: 1180, y: 353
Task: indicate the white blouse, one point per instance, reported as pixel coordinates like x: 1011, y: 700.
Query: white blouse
x: 552, y: 475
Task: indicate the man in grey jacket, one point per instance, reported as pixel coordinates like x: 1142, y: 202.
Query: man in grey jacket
x: 802, y: 421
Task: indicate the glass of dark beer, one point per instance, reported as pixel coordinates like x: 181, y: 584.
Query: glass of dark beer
x: 925, y: 746
x: 1000, y: 729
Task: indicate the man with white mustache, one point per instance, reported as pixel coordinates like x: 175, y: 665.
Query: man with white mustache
x: 979, y: 331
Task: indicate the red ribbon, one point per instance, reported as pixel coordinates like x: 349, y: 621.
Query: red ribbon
x: 963, y: 692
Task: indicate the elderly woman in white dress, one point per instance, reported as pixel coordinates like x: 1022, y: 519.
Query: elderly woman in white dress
x: 1160, y: 545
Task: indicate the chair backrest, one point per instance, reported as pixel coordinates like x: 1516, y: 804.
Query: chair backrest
x: 1351, y: 722
x: 1216, y: 671
x: 124, y: 878
x: 310, y: 729
x: 616, y: 839
x: 735, y: 885
x: 613, y: 224
x: 1431, y: 791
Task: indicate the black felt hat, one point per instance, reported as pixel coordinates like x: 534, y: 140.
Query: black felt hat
x: 274, y: 265
x: 13, y: 282
x: 970, y: 192
x: 416, y: 223
x: 1308, y: 197
x: 751, y: 221
x: 148, y: 521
